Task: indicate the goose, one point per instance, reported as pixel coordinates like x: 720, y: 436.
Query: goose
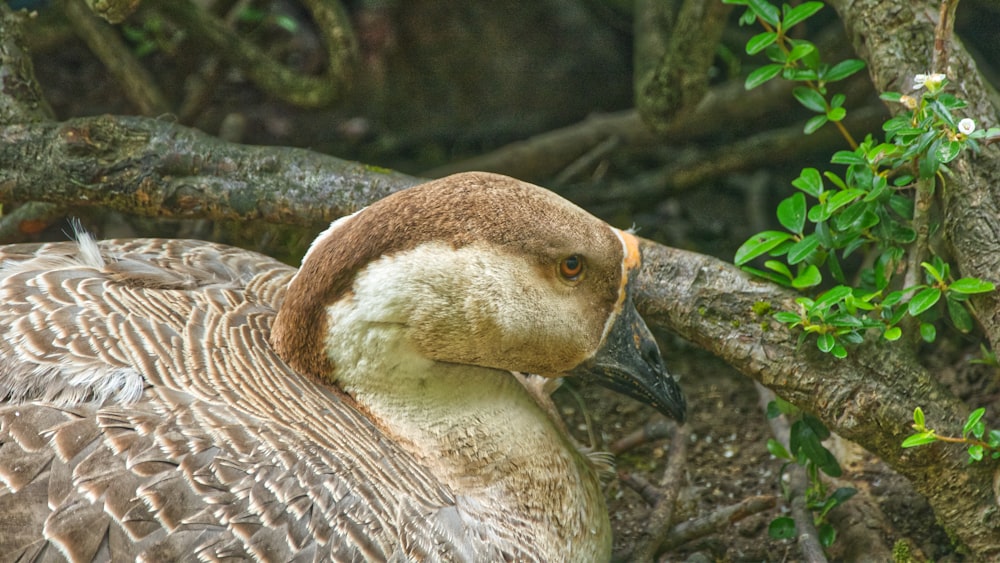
x: 168, y: 400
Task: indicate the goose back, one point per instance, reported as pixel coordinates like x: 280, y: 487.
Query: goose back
x: 146, y: 417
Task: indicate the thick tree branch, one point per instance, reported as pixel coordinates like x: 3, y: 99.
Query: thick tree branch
x: 156, y: 168
x: 868, y: 397
x: 679, y: 78
x: 21, y: 99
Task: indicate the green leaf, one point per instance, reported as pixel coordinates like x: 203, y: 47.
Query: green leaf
x: 809, y: 277
x: 839, y: 352
x: 777, y: 450
x: 814, y: 123
x: 800, y: 13
x: 928, y: 332
x: 770, y: 276
x: 773, y: 409
x: 974, y: 418
x: 971, y: 285
x: 841, y: 495
x: 787, y: 317
x: 832, y: 296
x: 923, y: 301
x: 826, y: 342
x: 803, y: 249
x: 762, y: 75
x: 809, y: 181
x: 918, y: 417
x: 976, y: 452
x: 959, y: 315
x: 817, y: 426
x: 765, y: 11
x: 850, y: 219
x: 835, y: 180
x: 801, y: 49
x: 810, y: 98
x: 759, y: 244
x: 780, y: 268
x: 919, y: 439
x: 843, y: 69
x: 804, y: 437
x: 836, y: 114
x: 892, y: 334
x: 902, y: 206
x: 827, y: 534
x: 848, y: 157
x: 792, y: 212
x: 781, y: 528
x: 932, y: 271
x: 760, y: 42
x: 949, y: 151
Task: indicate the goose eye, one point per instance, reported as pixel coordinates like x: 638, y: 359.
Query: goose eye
x: 571, y: 268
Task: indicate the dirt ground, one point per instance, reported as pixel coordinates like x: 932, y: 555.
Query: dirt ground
x: 727, y: 460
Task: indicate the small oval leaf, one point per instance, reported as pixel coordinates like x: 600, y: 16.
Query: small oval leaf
x: 971, y: 285
x: 759, y: 244
x: 803, y: 249
x: 762, y: 75
x: 810, y: 182
x: 782, y: 528
x: 792, y: 212
x: 923, y: 301
x: 919, y: 439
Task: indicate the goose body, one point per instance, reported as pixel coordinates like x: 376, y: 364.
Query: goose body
x: 181, y: 400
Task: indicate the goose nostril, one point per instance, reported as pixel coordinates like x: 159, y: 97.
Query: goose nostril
x: 651, y: 354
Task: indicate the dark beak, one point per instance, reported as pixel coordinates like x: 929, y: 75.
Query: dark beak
x: 630, y: 363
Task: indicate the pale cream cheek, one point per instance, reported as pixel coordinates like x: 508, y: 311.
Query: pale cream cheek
x: 474, y: 305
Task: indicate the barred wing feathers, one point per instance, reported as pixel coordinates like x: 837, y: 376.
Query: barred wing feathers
x: 145, y: 417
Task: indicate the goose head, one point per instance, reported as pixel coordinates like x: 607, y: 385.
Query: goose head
x: 478, y: 270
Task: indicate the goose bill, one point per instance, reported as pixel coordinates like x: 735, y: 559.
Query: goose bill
x: 629, y: 362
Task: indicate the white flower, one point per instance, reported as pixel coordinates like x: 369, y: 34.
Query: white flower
x: 966, y: 126
x: 931, y: 81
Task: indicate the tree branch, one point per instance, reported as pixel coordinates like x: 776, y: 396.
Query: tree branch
x: 679, y: 79
x: 156, y: 168
x: 868, y: 397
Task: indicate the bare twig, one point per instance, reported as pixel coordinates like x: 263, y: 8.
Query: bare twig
x: 657, y: 428
x: 942, y: 35
x: 661, y: 518
x: 273, y: 78
x: 587, y: 160
x: 806, y: 534
x: 745, y: 154
x: 725, y: 107
x: 717, y: 520
x: 648, y: 491
x: 137, y: 84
